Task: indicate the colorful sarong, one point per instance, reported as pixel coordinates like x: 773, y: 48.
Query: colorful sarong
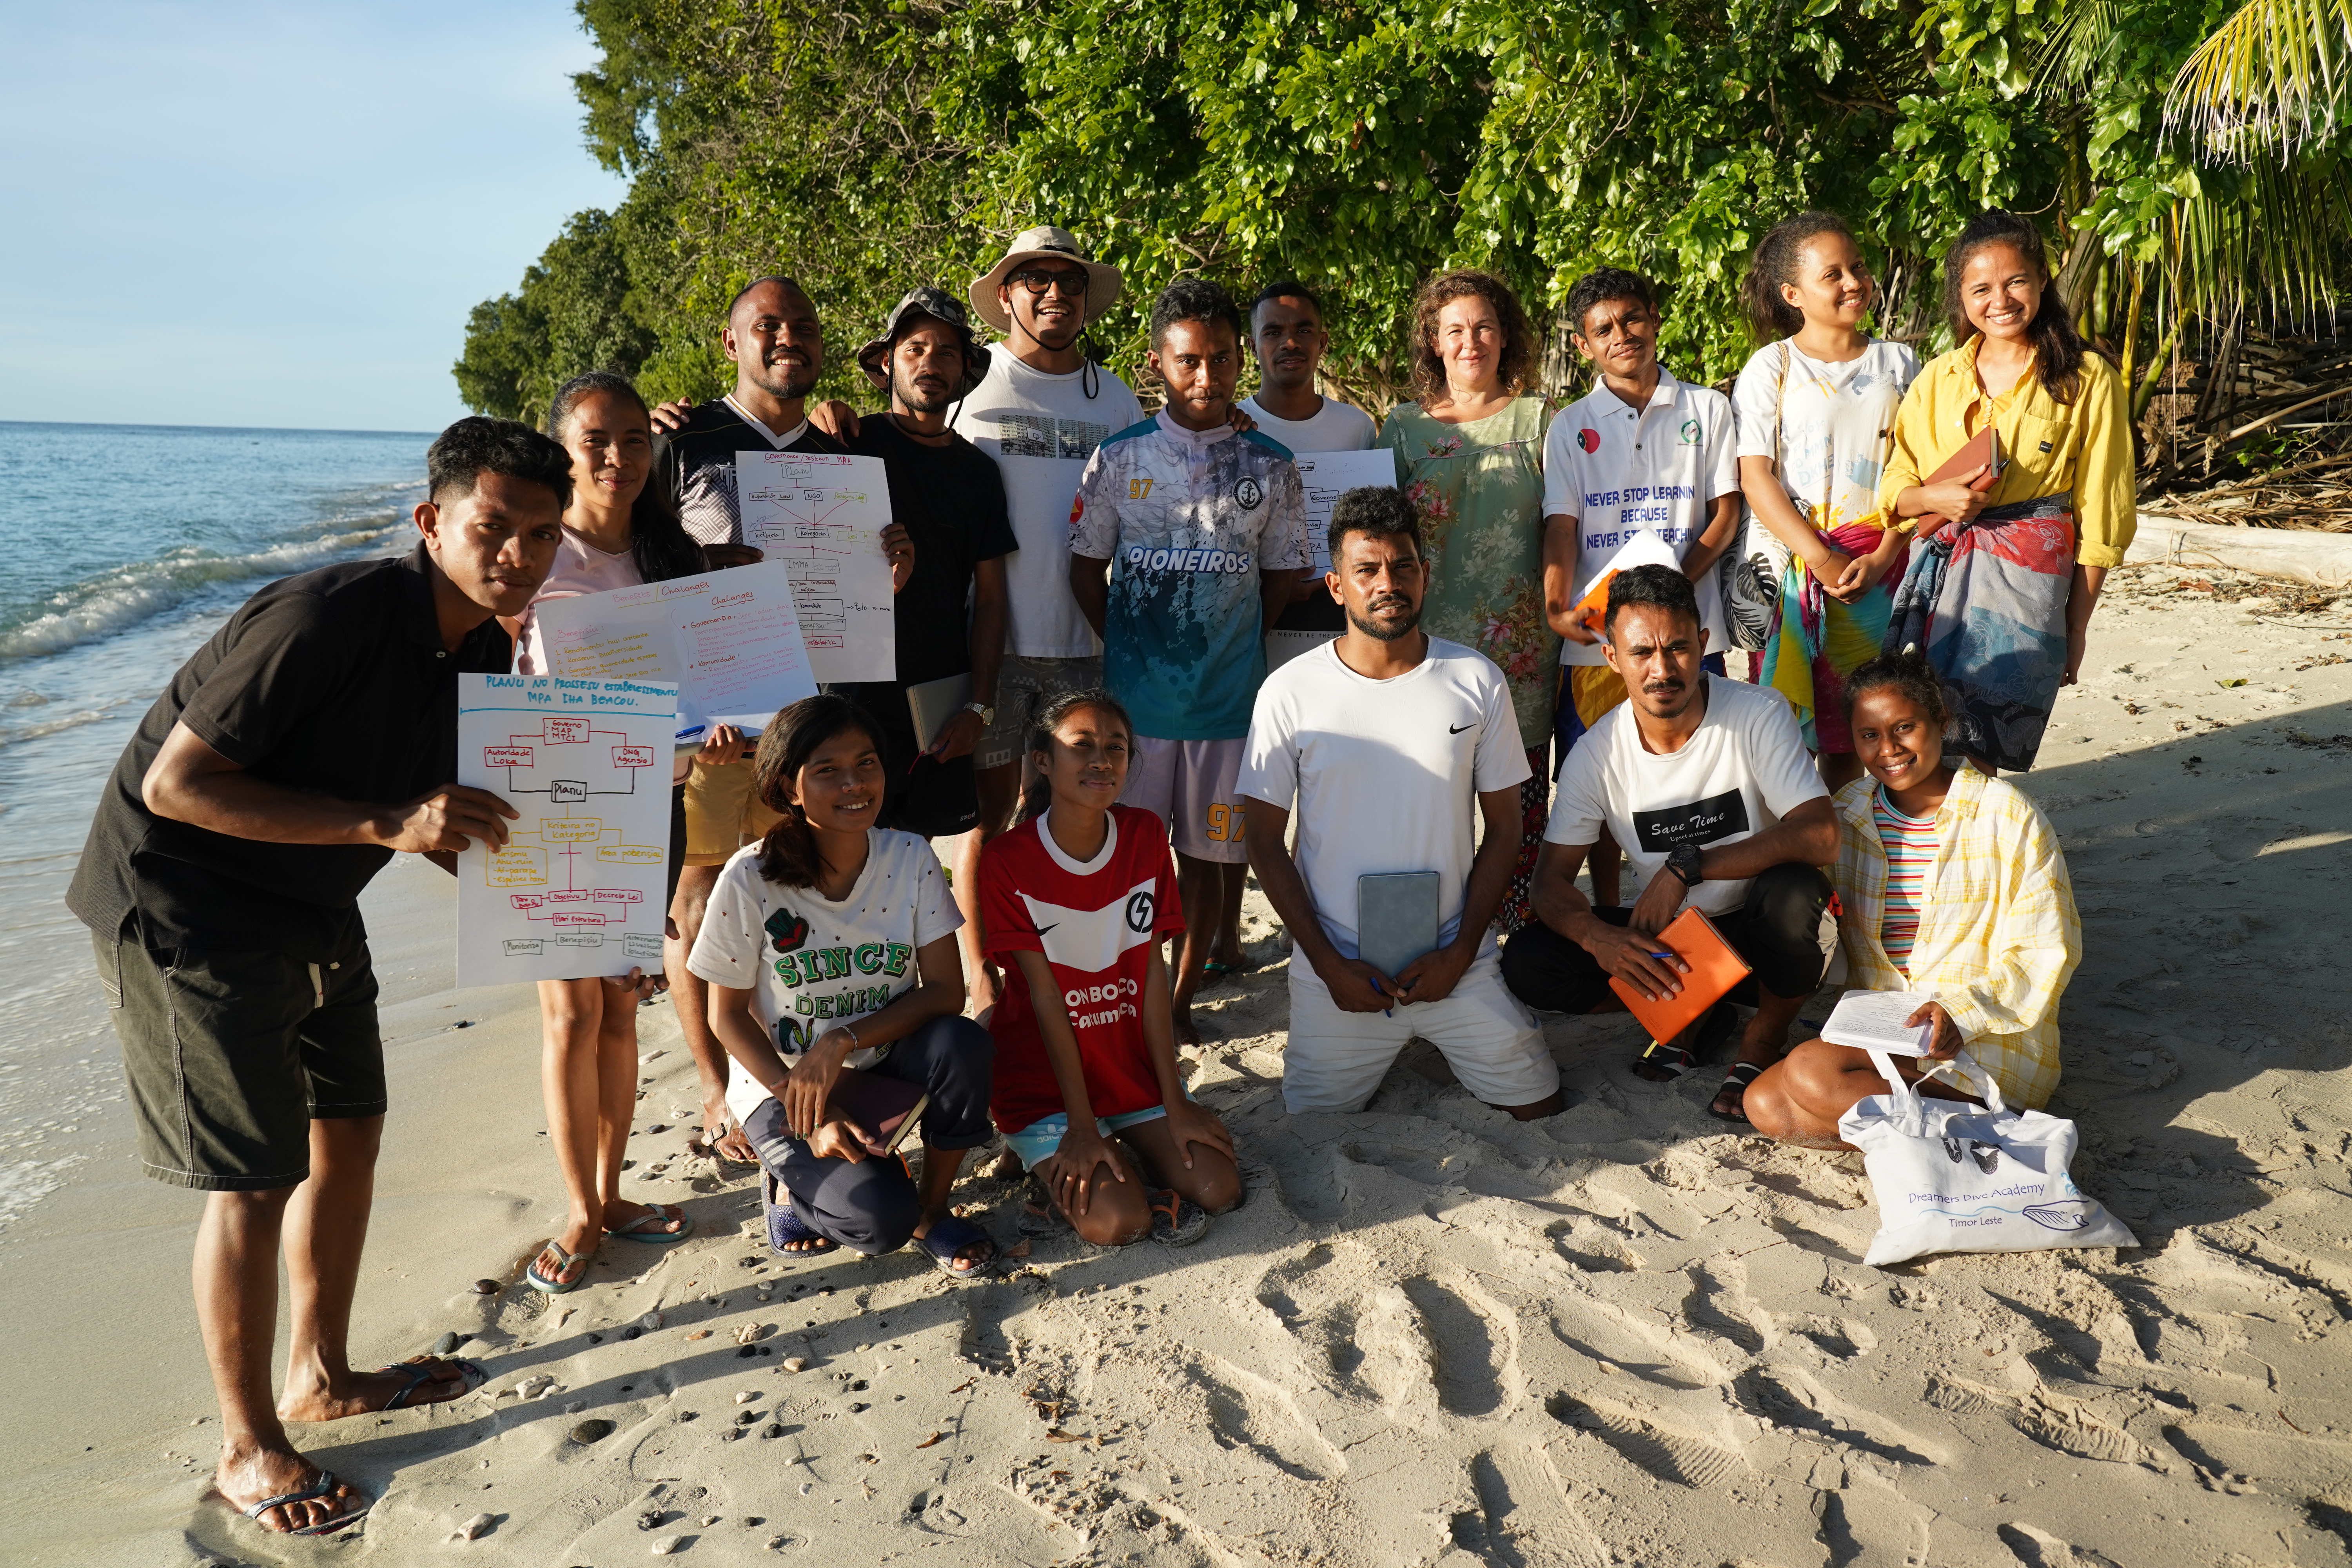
x: 1818, y: 641
x: 1986, y: 604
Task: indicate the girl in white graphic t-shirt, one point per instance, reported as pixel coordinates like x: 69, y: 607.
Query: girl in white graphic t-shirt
x: 830, y: 948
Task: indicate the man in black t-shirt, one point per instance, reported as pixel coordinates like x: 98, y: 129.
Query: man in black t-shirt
x: 777, y: 347
x: 301, y: 746
x: 950, y: 615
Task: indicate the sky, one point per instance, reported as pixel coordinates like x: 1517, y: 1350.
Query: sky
x: 274, y: 214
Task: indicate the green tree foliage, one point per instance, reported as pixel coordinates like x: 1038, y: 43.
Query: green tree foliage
x: 575, y: 311
x: 864, y: 145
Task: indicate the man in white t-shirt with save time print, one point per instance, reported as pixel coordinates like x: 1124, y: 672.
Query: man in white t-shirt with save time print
x: 1382, y: 739
x: 1642, y: 453
x: 1705, y: 782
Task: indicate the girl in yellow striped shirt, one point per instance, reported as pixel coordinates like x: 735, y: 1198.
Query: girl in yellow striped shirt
x: 1991, y: 932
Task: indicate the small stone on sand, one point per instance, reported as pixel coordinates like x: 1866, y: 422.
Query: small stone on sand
x: 447, y: 1343
x: 472, y: 1528
x: 772, y: 1429
x: 748, y: 1397
x: 668, y: 1544
x: 795, y: 1362
x: 592, y: 1431
x: 486, y: 1287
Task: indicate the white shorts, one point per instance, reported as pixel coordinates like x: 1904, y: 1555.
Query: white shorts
x: 1335, y: 1061
x: 1193, y: 786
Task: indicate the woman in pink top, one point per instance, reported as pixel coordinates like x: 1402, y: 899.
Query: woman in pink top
x: 617, y: 534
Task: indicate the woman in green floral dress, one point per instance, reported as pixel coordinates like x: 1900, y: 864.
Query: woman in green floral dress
x: 1469, y: 454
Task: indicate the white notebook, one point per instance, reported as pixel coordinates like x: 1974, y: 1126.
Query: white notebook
x: 1873, y: 1021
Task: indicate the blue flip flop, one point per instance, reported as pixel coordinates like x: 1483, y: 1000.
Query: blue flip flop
x: 655, y: 1213
x: 951, y: 1234
x: 420, y: 1372
x: 554, y: 1285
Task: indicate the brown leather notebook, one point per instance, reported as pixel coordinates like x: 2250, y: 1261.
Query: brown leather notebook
x: 1985, y: 453
x: 1714, y: 969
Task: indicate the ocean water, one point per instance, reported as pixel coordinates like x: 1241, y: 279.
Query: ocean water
x: 123, y: 547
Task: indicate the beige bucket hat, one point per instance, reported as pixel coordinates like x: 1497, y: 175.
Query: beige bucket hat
x: 1103, y: 285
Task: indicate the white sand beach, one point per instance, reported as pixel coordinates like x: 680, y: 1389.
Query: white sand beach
x: 1627, y: 1334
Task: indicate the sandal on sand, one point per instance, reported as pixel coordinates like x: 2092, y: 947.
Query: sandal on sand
x: 1214, y: 968
x: 553, y: 1284
x: 657, y: 1214
x: 951, y: 1236
x: 1041, y: 1216
x: 323, y: 1487
x: 1662, y: 1062
x: 420, y: 1372
x: 1735, y: 1085
x: 788, y: 1233
x: 1177, y: 1220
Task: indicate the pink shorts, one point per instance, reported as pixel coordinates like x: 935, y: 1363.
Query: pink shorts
x: 1193, y: 786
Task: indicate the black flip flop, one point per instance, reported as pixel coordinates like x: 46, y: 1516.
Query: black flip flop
x: 1735, y: 1083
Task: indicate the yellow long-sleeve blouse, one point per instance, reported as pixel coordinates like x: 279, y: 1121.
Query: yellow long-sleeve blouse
x: 1998, y: 937
x: 2082, y: 450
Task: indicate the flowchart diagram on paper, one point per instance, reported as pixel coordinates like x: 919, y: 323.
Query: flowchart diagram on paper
x: 823, y: 517
x: 577, y: 889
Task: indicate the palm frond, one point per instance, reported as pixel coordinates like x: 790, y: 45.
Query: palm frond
x: 2269, y: 81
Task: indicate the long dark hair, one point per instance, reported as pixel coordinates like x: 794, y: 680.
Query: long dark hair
x: 1516, y: 367
x: 2058, y: 348
x: 658, y: 541
x: 1040, y: 793
x: 1774, y: 267
x: 788, y: 856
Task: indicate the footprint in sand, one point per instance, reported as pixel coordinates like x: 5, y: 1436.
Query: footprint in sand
x: 1669, y: 1455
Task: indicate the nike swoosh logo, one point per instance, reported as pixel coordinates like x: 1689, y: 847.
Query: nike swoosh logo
x: 1043, y: 929
x: 1458, y: 729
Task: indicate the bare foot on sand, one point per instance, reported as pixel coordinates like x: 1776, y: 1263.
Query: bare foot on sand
x: 419, y: 1379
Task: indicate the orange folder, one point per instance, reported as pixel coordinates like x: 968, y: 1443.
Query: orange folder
x: 1592, y: 612
x: 1985, y: 453
x: 1714, y: 969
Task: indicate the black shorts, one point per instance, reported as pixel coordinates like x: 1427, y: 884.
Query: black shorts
x: 230, y: 1056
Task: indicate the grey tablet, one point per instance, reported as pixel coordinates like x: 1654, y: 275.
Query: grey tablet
x: 1396, y: 918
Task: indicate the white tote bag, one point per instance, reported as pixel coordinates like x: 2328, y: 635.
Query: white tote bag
x: 1953, y: 1177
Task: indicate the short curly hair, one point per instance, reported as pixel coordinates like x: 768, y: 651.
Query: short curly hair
x: 1518, y: 362
x: 1194, y: 299
x: 478, y: 445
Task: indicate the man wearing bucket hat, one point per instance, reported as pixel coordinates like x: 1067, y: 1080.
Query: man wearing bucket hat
x: 948, y: 496
x: 1040, y: 412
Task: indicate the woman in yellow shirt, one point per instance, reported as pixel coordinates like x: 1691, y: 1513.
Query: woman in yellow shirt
x: 2000, y: 598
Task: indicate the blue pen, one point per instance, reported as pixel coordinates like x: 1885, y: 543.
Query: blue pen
x: 1385, y: 1012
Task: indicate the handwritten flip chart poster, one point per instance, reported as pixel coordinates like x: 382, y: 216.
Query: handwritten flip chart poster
x: 577, y: 889
x: 823, y: 517
x: 730, y: 641
x: 1324, y: 478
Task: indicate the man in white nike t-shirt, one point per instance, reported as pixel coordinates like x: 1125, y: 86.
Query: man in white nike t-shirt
x: 1382, y: 739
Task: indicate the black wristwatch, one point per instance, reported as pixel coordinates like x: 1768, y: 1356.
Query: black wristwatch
x: 1683, y: 861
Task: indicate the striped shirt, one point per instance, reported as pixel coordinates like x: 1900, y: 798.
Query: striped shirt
x: 1911, y: 843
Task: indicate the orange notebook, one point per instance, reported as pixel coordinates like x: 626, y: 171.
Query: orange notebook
x: 1985, y: 453
x: 1714, y: 969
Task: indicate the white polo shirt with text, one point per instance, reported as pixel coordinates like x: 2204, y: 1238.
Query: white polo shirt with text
x: 1621, y: 470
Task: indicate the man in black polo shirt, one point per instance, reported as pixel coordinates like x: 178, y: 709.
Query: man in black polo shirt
x: 301, y: 747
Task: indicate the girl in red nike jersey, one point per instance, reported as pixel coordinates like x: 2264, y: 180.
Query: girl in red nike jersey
x: 1074, y: 902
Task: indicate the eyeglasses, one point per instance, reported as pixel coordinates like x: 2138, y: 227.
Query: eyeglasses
x: 1036, y: 279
